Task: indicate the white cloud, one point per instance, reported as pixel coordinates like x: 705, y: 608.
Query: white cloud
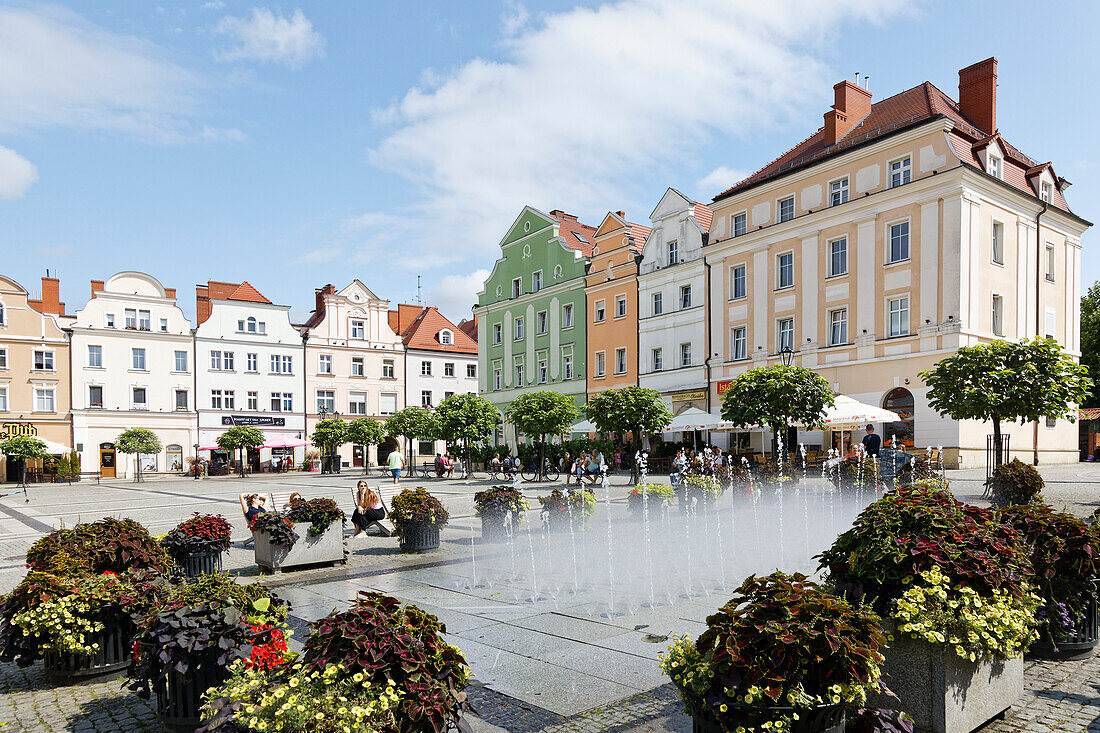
x: 589, y: 105
x: 59, y: 70
x: 455, y: 295
x: 718, y: 180
x: 268, y: 37
x: 221, y: 134
x: 17, y: 174
x: 57, y: 252
x: 213, y: 5
x: 514, y: 18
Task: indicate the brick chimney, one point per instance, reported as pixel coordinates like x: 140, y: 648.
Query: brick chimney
x: 170, y: 293
x: 978, y: 94
x: 50, y: 302
x: 562, y: 215
x: 97, y: 287
x: 851, y: 104
x: 621, y: 215
x: 202, y: 303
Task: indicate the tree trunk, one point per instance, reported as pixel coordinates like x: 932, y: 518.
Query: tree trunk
x: 469, y: 464
x: 540, y: 471
x: 636, y: 446
x: 137, y: 472
x: 998, y: 447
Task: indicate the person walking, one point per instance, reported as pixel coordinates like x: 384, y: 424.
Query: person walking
x: 871, y: 441
x: 395, y: 461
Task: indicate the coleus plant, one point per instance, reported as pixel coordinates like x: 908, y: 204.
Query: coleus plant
x: 200, y: 532
x: 94, y: 547
x: 320, y: 513
x: 277, y: 526
x: 496, y: 501
x: 417, y: 506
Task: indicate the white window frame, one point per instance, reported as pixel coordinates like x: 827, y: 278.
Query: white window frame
x: 838, y: 318
x: 567, y: 316
x: 91, y: 402
x: 744, y: 217
x: 672, y: 252
x: 542, y: 323
x: 658, y: 358
x: 3, y: 358
x: 1046, y: 192
x: 425, y: 368
x: 997, y: 317
x: 324, y: 363
x: 517, y: 287
x: 904, y: 171
x: 685, y: 354
x: 890, y: 259
x: 995, y: 166
x: 685, y: 297
x: 902, y: 312
x: 385, y: 397
x: 739, y: 343
x: 358, y: 366
x: 253, y: 400
x: 779, y: 270
x: 446, y: 337
x: 388, y: 369
x: 471, y: 371
x: 658, y: 301
x: 215, y: 399
x: 358, y: 329
x: 216, y: 360
x: 620, y: 306
x: 780, y: 340
x: 357, y: 403
x: 832, y: 262
x: 1051, y: 263
x: 779, y: 209
x: 599, y: 311
x: 519, y: 375
x: 541, y: 371
x: 45, y: 399
x: 518, y: 330
x: 164, y: 325
x: 600, y: 361
x: 744, y: 270
x: 620, y: 360
x: 838, y: 191
x: 448, y: 369
x: 3, y: 398
x: 326, y: 398
x: 567, y: 363
x: 498, y: 377
x: 47, y: 360
x: 185, y: 363
x: 186, y: 400
x: 997, y: 243
x: 536, y: 281
x: 134, y: 404
x: 95, y: 358
x: 134, y: 353
x: 498, y: 333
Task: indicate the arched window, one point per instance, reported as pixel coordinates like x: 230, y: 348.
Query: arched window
x: 445, y: 337
x: 3, y: 314
x: 251, y: 324
x: 899, y: 400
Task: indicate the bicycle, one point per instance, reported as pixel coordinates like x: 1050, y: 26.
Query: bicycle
x: 549, y: 473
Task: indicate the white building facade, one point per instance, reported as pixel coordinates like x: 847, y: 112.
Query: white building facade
x: 133, y: 367
x: 249, y: 371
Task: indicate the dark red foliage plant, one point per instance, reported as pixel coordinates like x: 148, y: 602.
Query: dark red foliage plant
x: 200, y: 532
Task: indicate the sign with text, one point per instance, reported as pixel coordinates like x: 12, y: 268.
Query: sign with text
x: 18, y: 430
x: 724, y: 387
x: 254, y: 420
x: 688, y: 395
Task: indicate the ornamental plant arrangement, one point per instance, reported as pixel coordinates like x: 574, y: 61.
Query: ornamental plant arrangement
x: 1065, y: 556
x: 277, y: 526
x: 782, y: 655
x: 1014, y: 482
x: 572, y: 504
x: 199, y: 533
x: 320, y: 513
x: 695, y: 485
x: 498, y: 506
x: 657, y: 496
x: 416, y: 507
x: 94, y: 547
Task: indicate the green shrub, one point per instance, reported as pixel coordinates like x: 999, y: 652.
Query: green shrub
x: 1014, y: 482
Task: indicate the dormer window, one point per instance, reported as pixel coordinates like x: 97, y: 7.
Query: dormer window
x: 446, y: 337
x: 1046, y: 192
x: 994, y: 166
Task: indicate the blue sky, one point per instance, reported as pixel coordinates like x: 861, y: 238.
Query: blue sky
x: 296, y: 145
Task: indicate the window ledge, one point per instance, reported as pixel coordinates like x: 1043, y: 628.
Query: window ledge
x: 895, y: 263
x: 837, y: 276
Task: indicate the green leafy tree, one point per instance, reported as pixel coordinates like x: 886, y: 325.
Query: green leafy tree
x: 239, y: 437
x: 777, y: 396
x: 23, y: 447
x: 1007, y: 380
x: 365, y: 431
x: 466, y: 417
x: 139, y: 441
x: 630, y: 409
x: 1090, y: 341
x: 413, y: 423
x: 543, y: 413
x: 328, y: 436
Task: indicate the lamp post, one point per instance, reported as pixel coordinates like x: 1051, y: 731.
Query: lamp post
x: 321, y: 411
x: 198, y: 464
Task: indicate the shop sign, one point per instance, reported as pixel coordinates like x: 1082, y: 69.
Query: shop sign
x: 687, y: 395
x: 724, y: 387
x: 18, y: 430
x: 253, y: 420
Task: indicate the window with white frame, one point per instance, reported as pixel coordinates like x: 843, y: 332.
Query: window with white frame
x: 838, y: 257
x: 324, y: 363
x: 138, y: 359
x: 253, y: 401
x: 540, y: 323
x: 998, y: 315
x: 517, y: 329
x: 446, y: 338
x: 1046, y: 192
x: 276, y: 401
x: 620, y: 361
x: 599, y: 311
x: 898, y: 316
x: 601, y: 364
x: 517, y: 287
x: 1050, y: 262
x: 228, y: 361
x: 786, y: 334
x: 95, y: 356
x: 784, y: 270
x: 3, y: 398
x: 658, y: 360
x: 497, y: 333
x: 658, y: 303
x: 497, y: 378
x: 43, y: 360
x: 542, y: 370
x: 517, y: 372
x: 357, y: 368
x: 164, y: 325
x: 994, y: 166
x: 216, y: 399
x: 110, y: 320
x: 785, y: 207
x: 901, y: 172
x: 425, y: 369
x: 739, y: 343
x: 144, y: 321
x: 471, y: 371
x: 1049, y: 321
x: 181, y: 400
x: 357, y: 403
x: 179, y: 361
x: 567, y: 364
x: 673, y: 252
x: 448, y: 369
x: 426, y: 398
x: 685, y: 297
x: 131, y: 318
x: 138, y: 397
x: 740, y: 224
x: 43, y: 399
x: 216, y: 360
x: 3, y: 358
x: 387, y: 369
x: 288, y: 402
x: 567, y: 315
x: 387, y: 403
x: 838, y: 192
x: 685, y: 355
x: 620, y: 306
x: 282, y: 364
x: 95, y: 395
x: 899, y: 242
x: 738, y: 282
x: 998, y: 242
x: 536, y: 281
x: 326, y: 401
x: 3, y: 315
x: 252, y: 362
x: 838, y: 327
x: 358, y: 329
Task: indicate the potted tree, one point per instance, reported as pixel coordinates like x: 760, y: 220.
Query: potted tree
x: 279, y: 542
x: 1065, y: 557
x: 378, y: 666
x: 467, y: 417
x: 239, y: 437
x: 541, y: 414
x: 364, y: 431
x: 418, y: 517
x: 572, y: 507
x: 636, y: 410
x: 497, y: 507
x: 23, y: 448
x: 782, y: 654
x: 328, y: 436
x: 413, y: 423
x: 952, y: 581
x: 138, y: 441
x: 197, y: 544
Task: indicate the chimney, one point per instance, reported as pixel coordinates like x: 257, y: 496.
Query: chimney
x: 851, y: 104
x: 97, y: 287
x: 562, y: 215
x: 202, y: 303
x: 170, y: 293
x: 50, y: 302
x: 621, y: 215
x: 978, y: 94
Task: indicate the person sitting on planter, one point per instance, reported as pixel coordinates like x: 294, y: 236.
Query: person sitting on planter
x: 251, y: 505
x: 368, y: 509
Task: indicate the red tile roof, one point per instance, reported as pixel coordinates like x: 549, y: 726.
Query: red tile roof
x: 919, y: 104
x: 1089, y: 413
x: 247, y: 293
x: 569, y: 228
x: 403, y: 317
x: 423, y: 333
x: 217, y: 290
x: 704, y: 216
x: 468, y: 326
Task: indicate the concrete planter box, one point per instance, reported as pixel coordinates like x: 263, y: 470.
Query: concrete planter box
x: 943, y: 692
x: 328, y: 548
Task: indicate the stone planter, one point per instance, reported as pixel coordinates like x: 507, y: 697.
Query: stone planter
x: 1078, y: 644
x: 822, y: 719
x: 418, y: 537
x: 943, y: 692
x: 201, y: 562
x: 328, y: 548
x: 108, y: 662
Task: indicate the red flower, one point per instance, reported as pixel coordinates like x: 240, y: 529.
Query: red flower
x: 109, y: 572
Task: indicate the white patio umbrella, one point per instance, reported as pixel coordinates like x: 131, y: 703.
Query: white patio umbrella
x: 695, y: 419
x: 584, y: 426
x: 848, y: 413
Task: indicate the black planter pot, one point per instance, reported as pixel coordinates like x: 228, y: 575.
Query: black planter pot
x: 822, y: 719
x: 109, y: 661
x: 179, y: 697
x: 201, y: 562
x: 1078, y: 644
x: 419, y: 537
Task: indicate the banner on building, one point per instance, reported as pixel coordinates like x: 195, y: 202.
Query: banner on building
x: 254, y: 420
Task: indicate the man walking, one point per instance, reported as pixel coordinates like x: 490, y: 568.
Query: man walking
x: 871, y: 442
x: 396, y: 462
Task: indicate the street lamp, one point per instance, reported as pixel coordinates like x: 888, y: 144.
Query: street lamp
x: 322, y: 412
x: 197, y: 464
x: 787, y: 355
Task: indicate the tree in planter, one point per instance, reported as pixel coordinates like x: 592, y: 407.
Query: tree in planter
x: 543, y: 413
x: 328, y: 436
x: 23, y: 447
x: 365, y: 431
x: 413, y: 423
x: 238, y: 438
x: 467, y: 417
x: 629, y: 409
x: 139, y: 441
x: 1006, y: 380
x: 777, y: 396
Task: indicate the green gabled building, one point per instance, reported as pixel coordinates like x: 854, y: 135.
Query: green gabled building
x: 531, y: 313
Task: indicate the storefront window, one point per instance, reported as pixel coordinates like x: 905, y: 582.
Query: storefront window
x: 899, y: 400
